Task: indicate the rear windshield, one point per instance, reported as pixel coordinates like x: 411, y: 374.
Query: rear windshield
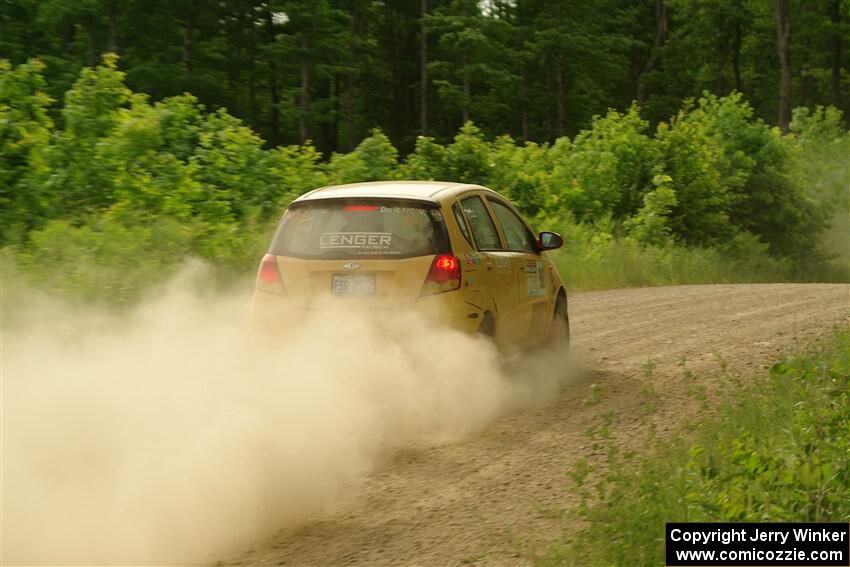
x: 363, y: 228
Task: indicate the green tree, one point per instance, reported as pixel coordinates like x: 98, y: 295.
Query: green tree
x: 474, y: 65
x: 650, y: 225
x: 608, y: 167
x: 25, y: 129
x: 585, y: 56
x: 91, y: 111
x: 375, y: 159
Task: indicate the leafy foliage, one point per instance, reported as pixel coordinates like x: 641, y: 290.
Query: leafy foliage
x: 608, y: 167
x: 780, y: 453
x: 25, y: 129
x: 375, y: 159
x: 117, y: 165
x: 649, y: 225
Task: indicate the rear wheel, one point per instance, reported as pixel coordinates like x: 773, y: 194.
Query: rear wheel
x: 559, y: 328
x: 487, y: 328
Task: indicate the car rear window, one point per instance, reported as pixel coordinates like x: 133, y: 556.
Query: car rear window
x: 362, y: 228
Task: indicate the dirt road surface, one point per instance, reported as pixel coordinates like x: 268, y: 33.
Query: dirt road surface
x: 500, y: 497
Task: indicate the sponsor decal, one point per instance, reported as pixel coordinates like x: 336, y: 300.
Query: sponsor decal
x: 434, y: 213
x: 535, y: 279
x: 502, y: 262
x: 472, y: 258
x: 357, y: 240
x: 404, y: 210
x: 351, y: 265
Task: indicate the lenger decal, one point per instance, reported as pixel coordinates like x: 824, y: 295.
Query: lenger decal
x: 356, y: 240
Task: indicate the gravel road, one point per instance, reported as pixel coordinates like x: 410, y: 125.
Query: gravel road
x: 500, y: 497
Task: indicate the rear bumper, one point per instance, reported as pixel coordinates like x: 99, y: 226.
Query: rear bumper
x: 274, y: 313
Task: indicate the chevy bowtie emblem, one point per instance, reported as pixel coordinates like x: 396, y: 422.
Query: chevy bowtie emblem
x: 351, y: 266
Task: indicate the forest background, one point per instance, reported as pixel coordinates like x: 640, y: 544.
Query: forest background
x: 671, y: 141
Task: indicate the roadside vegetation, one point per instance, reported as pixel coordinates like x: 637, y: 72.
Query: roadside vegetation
x: 777, y: 453
x: 107, y: 194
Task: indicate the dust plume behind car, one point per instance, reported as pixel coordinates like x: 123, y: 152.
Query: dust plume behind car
x: 172, y: 435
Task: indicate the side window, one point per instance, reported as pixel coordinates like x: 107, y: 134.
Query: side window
x: 515, y: 231
x: 461, y: 222
x: 481, y: 224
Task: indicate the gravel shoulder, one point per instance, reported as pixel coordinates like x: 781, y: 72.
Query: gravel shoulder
x: 499, y: 497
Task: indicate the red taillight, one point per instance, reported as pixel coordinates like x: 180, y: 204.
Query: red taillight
x: 360, y: 208
x: 445, y: 268
x: 268, y: 272
x: 444, y: 275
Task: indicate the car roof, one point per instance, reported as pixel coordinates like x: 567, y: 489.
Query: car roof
x: 433, y: 191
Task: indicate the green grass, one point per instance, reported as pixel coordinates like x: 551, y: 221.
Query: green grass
x: 780, y: 452
x: 105, y: 262
x: 593, y: 260
x: 108, y: 264
x: 623, y: 263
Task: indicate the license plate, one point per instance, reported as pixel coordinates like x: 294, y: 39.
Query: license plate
x: 353, y: 285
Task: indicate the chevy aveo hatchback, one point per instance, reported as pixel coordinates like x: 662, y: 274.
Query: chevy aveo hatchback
x: 454, y: 252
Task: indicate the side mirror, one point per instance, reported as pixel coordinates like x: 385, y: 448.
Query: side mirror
x: 550, y: 241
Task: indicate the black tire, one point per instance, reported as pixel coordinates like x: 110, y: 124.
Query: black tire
x: 559, y: 329
x: 487, y: 328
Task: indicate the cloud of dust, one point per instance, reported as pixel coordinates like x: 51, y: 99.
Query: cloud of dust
x: 169, y: 435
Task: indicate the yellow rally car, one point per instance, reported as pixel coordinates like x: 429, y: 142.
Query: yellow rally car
x: 454, y: 252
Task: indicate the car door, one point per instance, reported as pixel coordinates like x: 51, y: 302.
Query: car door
x: 531, y: 279
x: 497, y: 276
x: 463, y: 247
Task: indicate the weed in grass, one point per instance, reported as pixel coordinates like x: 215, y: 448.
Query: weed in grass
x: 649, y: 368
x: 699, y: 393
x: 593, y: 396
x: 600, y: 434
x: 651, y: 433
x: 579, y: 473
x: 605, y: 429
x: 648, y: 394
x: 687, y: 374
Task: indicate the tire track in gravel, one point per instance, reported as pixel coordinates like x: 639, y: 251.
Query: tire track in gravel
x: 495, y: 499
